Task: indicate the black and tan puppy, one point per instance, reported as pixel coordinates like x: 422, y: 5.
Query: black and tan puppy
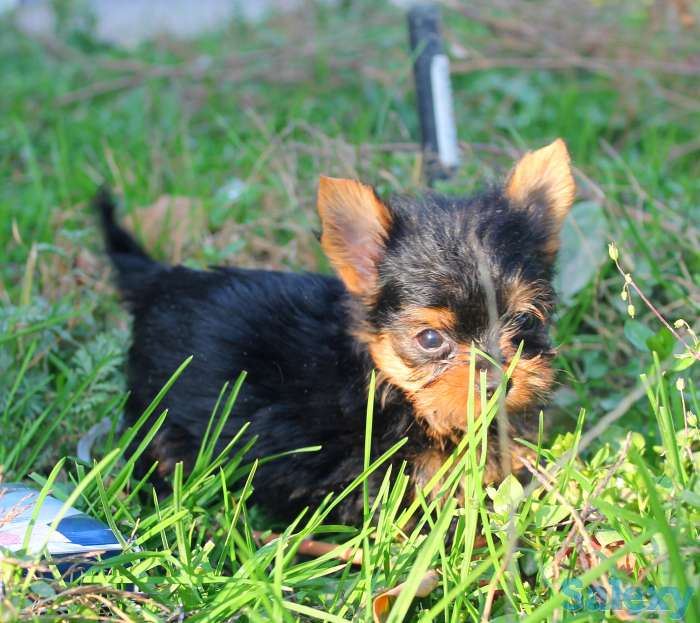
x: 416, y: 280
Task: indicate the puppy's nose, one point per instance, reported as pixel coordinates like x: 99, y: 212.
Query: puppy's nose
x: 493, y: 384
x: 491, y: 387
x: 494, y: 377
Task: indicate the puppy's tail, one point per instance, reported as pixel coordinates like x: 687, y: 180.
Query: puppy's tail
x: 130, y: 260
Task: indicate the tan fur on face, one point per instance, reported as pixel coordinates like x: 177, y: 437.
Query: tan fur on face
x: 525, y: 297
x: 531, y: 379
x: 355, y: 225
x: 391, y: 367
x: 544, y: 175
x: 443, y: 404
x: 433, y: 317
x: 439, y: 392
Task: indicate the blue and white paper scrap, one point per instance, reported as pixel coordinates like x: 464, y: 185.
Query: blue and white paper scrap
x: 76, y: 533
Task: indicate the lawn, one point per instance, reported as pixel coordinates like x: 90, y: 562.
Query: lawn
x: 214, y: 147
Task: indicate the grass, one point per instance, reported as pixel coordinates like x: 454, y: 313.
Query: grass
x: 330, y: 92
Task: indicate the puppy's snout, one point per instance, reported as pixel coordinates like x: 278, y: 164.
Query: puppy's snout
x: 494, y: 376
x: 491, y: 387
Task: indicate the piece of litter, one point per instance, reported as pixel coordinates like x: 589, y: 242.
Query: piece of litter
x: 75, y: 533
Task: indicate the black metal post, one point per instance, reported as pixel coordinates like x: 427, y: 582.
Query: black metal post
x: 434, y: 93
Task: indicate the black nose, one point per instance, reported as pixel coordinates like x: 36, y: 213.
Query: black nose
x: 491, y: 388
x: 494, y: 376
x: 493, y: 383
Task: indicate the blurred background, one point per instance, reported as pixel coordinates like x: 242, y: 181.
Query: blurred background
x: 213, y: 119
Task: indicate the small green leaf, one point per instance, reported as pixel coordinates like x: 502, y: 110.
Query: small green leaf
x: 638, y: 334
x: 638, y: 441
x: 508, y: 495
x: 661, y: 342
x: 684, y: 362
x: 595, y: 365
x: 550, y: 515
x: 606, y: 537
x: 583, y: 242
x: 42, y: 589
x: 690, y: 497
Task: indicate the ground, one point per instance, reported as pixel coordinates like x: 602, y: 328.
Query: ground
x: 215, y: 146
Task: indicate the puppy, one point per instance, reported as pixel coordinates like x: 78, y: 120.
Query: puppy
x: 421, y: 281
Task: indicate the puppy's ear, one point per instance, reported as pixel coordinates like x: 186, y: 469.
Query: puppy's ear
x: 542, y: 182
x: 355, y: 225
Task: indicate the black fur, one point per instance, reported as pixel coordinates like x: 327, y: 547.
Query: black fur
x: 130, y: 260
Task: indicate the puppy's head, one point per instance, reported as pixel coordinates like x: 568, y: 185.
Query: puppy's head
x: 434, y: 277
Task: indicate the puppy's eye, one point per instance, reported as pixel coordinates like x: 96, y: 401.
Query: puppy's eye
x: 430, y: 339
x: 526, y: 322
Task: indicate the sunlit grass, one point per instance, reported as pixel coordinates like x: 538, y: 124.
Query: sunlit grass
x: 618, y: 505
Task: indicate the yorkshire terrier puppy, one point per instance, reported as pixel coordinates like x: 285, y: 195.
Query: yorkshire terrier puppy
x: 421, y: 281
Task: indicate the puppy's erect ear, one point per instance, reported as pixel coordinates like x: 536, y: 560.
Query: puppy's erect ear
x: 542, y: 181
x: 355, y: 224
